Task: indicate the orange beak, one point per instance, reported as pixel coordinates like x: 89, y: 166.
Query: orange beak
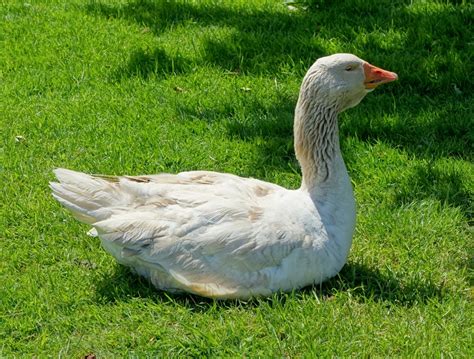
x: 375, y: 76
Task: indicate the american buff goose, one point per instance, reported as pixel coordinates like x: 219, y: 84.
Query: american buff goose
x: 222, y: 236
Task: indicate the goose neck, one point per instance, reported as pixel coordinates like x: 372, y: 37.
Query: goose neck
x: 317, y: 143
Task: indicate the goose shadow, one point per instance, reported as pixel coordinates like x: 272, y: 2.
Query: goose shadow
x: 363, y: 282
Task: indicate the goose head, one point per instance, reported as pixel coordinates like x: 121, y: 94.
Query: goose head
x: 341, y: 81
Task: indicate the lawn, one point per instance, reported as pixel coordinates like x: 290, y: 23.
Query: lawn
x: 145, y: 86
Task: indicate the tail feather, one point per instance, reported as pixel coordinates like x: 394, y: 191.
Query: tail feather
x: 86, y: 195
x: 79, y: 213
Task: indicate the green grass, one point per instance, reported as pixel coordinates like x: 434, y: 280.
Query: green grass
x: 139, y: 87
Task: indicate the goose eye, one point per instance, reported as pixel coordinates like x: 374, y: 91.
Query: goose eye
x: 350, y: 67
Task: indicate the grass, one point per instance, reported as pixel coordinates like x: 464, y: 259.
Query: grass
x: 147, y: 86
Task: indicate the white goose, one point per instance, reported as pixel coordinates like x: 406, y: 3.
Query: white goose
x: 222, y: 236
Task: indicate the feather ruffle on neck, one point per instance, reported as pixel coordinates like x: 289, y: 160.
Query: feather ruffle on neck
x: 316, y: 135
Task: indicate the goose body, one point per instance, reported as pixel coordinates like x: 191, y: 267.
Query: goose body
x: 222, y: 236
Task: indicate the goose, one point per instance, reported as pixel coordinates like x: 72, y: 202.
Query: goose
x: 221, y: 236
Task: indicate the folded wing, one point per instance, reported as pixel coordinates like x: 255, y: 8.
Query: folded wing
x: 213, y: 234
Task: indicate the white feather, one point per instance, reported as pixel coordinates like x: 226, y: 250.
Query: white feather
x: 223, y: 236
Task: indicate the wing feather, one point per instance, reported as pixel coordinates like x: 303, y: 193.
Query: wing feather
x: 209, y: 233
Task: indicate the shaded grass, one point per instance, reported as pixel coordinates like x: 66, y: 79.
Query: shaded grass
x: 149, y: 86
